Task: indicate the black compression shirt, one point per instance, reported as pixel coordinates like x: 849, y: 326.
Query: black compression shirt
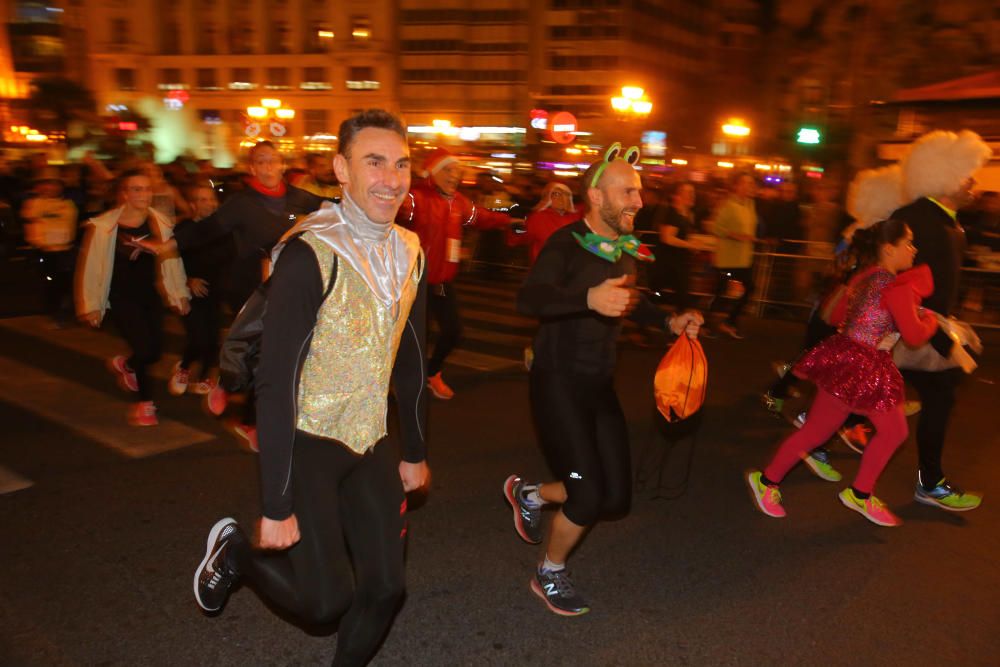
x: 293, y: 301
x: 573, y: 338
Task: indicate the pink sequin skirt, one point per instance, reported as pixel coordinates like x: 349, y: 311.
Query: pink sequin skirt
x: 861, y: 376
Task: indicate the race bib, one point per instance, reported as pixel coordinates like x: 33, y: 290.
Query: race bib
x: 454, y: 250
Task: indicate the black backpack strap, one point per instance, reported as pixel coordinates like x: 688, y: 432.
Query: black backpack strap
x: 333, y: 278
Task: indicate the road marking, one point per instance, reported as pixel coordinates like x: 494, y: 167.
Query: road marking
x: 91, y: 413
x: 91, y: 342
x: 10, y: 481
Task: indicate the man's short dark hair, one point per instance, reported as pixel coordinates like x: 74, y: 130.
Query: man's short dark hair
x: 259, y: 145
x: 378, y: 118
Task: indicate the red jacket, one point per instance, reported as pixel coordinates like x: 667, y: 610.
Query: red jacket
x: 539, y: 227
x: 438, y: 221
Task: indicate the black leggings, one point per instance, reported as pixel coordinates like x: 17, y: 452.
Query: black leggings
x: 442, y: 306
x: 348, y: 564
x: 139, y: 319
x: 583, y: 434
x: 202, y: 327
x: 937, y: 396
x: 735, y: 306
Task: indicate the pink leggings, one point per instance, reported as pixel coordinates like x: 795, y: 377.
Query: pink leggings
x: 825, y: 417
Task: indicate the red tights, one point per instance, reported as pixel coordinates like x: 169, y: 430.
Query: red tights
x: 825, y: 417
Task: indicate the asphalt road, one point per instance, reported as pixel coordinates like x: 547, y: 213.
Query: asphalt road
x: 96, y: 556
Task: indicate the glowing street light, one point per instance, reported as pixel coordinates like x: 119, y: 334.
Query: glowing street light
x: 270, y: 103
x: 632, y: 101
x: 257, y: 112
x: 736, y: 127
x: 285, y: 114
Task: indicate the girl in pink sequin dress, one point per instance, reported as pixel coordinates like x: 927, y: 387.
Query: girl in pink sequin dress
x: 854, y: 373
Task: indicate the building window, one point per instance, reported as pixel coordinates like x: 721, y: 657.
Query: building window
x: 206, y: 38
x: 241, y: 38
x: 207, y: 79
x: 277, y: 78
x: 125, y: 78
x: 170, y: 79
x: 170, y: 39
x: 119, y: 32
x: 361, y: 28
x: 278, y: 39
x: 314, y: 78
x: 319, y: 37
x: 362, y: 78
x: 316, y: 121
x: 241, y: 78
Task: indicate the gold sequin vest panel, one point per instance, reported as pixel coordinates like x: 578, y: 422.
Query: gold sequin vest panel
x: 344, y: 385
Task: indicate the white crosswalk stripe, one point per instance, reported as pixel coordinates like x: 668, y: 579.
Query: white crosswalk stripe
x: 91, y: 413
x: 10, y: 481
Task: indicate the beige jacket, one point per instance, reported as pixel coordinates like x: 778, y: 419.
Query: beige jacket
x: 97, y: 260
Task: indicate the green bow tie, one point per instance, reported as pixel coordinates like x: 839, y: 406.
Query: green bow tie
x: 611, y: 249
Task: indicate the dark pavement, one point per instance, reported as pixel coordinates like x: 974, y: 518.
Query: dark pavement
x: 97, y: 557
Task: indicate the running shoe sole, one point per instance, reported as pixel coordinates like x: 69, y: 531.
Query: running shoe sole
x: 213, y: 536
x: 927, y: 500
x: 121, y: 376
x: 850, y: 444
x: 508, y: 493
x: 537, y: 590
x: 437, y: 395
x: 851, y: 506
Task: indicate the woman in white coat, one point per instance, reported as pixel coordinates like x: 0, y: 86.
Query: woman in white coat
x: 114, y: 273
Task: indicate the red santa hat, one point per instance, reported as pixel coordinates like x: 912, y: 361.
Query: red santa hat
x: 438, y: 160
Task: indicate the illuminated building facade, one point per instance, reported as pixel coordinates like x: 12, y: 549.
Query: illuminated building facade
x: 323, y: 59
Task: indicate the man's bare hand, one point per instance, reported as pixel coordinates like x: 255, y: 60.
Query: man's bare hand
x: 184, y: 307
x: 688, y: 322
x: 613, y: 298
x: 198, y: 286
x: 414, y: 475
x: 278, y: 534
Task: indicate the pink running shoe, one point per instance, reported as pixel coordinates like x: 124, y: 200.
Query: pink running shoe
x: 215, y: 400
x: 125, y: 375
x: 179, y: 381
x: 248, y: 434
x: 768, y: 498
x: 870, y: 508
x: 143, y: 413
x: 202, y: 387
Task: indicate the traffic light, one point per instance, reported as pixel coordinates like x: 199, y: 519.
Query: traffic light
x: 808, y: 135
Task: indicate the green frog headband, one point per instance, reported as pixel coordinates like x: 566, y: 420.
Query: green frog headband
x: 614, y: 151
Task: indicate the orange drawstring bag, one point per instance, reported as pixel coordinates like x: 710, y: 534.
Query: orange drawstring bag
x: 680, y: 380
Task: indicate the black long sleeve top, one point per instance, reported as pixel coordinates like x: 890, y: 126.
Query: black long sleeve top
x: 293, y: 302
x: 572, y: 337
x: 940, y: 242
x: 255, y: 220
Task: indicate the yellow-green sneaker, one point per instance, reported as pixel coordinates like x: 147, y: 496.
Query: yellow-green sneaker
x: 870, y: 508
x: 947, y: 497
x: 818, y: 461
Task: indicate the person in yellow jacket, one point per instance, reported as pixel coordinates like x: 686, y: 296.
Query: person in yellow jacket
x: 114, y: 272
x: 50, y: 227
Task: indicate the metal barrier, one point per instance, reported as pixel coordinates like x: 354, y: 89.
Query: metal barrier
x: 787, y: 283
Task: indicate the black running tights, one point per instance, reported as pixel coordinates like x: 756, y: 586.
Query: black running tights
x: 442, y: 307
x: 138, y: 316
x: 348, y: 564
x: 583, y: 434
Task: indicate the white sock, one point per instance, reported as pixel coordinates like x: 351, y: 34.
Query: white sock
x: 529, y: 493
x: 549, y: 566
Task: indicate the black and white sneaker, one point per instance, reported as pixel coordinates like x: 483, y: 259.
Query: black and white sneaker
x: 556, y: 590
x: 214, y: 577
x: 527, y: 519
